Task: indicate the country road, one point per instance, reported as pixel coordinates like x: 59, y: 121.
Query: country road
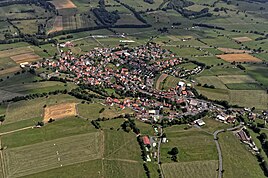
x: 219, y: 148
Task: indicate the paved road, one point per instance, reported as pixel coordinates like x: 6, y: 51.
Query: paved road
x: 219, y: 148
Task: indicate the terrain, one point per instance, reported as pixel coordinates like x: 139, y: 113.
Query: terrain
x: 54, y: 126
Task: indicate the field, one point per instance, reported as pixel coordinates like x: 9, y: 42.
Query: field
x: 169, y: 82
x: 242, y: 39
x: 231, y: 50
x: 160, y: 80
x: 26, y: 57
x: 59, y: 111
x: 202, y: 169
x: 57, y: 25
x: 63, y: 4
x: 237, y: 160
x: 53, y: 154
x: 239, y: 58
x: 23, y: 110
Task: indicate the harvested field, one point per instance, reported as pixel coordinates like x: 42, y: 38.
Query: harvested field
x: 201, y: 169
x: 10, y: 70
x: 239, y: 58
x: 63, y: 4
x: 242, y: 39
x: 60, y: 111
x: 57, y: 25
x: 160, y: 80
x: 27, y: 57
x: 52, y: 154
x: 231, y: 50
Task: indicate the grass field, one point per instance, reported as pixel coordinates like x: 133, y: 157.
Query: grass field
x: 202, y: 169
x: 237, y: 160
x: 53, y: 154
x: 23, y: 110
x: 169, y: 82
x: 193, y: 145
x: 243, y: 86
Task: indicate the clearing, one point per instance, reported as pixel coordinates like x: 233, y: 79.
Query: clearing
x: 231, y: 50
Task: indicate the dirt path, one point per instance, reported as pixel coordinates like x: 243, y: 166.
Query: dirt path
x: 2, y: 160
x: 13, y: 131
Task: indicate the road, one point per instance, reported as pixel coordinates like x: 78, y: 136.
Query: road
x: 158, y: 153
x: 215, y: 135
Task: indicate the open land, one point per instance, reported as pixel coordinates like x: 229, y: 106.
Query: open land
x: 59, y: 111
x: 239, y: 58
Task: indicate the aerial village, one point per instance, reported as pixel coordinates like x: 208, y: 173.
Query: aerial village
x: 132, y: 73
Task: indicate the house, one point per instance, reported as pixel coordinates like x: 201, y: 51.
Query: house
x: 199, y: 122
x: 146, y: 140
x: 221, y: 118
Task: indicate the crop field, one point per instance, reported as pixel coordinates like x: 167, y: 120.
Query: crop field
x: 15, y: 51
x: 231, y: 50
x: 9, y: 70
x: 27, y: 57
x: 6, y: 95
x: 6, y: 63
x: 59, y: 111
x: 63, y: 4
x: 236, y: 79
x: 243, y: 86
x: 23, y: 110
x: 211, y: 80
x: 57, y: 25
x: 239, y: 58
x: 211, y: 60
x: 200, y: 169
x: 52, y: 154
x: 237, y: 160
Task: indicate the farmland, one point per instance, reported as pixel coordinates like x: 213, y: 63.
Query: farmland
x: 232, y: 150
x: 229, y: 41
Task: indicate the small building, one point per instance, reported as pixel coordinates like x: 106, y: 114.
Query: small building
x: 221, y: 118
x: 146, y: 140
x: 199, y: 122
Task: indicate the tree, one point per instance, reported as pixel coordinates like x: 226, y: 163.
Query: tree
x: 2, y: 118
x: 174, y: 151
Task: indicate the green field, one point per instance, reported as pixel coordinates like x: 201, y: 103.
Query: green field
x: 243, y: 86
x: 237, y: 160
x: 52, y: 154
x: 202, y: 169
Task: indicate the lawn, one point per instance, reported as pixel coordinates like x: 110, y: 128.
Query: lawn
x: 52, y: 154
x: 237, y: 160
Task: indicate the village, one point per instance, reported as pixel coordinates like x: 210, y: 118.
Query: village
x: 131, y: 73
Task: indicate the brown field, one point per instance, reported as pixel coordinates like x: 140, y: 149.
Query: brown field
x: 231, y: 50
x: 63, y: 4
x: 160, y: 80
x: 60, y: 111
x: 10, y: 70
x: 15, y: 51
x: 239, y: 58
x: 57, y: 25
x: 26, y: 57
x: 242, y: 39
